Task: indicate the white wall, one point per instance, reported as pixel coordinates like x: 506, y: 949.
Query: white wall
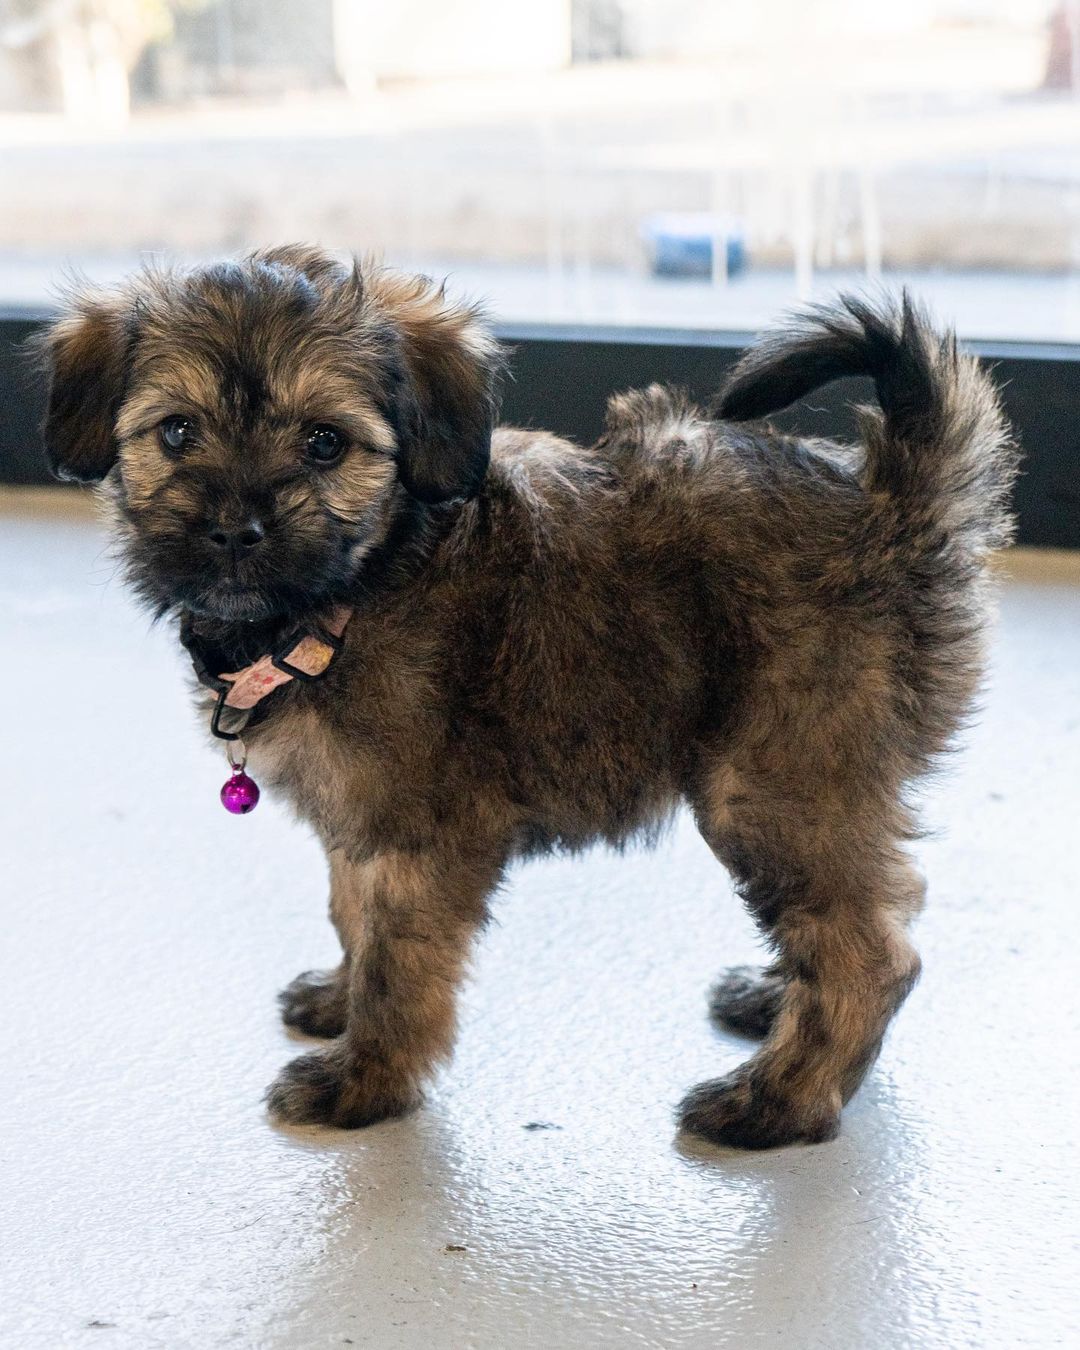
x: 687, y: 28
x: 406, y: 39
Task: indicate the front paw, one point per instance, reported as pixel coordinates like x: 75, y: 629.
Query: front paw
x: 742, y: 1110
x: 316, y: 1003
x: 331, y: 1087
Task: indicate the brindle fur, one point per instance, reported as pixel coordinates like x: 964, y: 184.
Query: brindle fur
x: 563, y: 644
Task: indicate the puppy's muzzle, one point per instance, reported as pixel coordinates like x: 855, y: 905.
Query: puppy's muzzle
x: 238, y: 540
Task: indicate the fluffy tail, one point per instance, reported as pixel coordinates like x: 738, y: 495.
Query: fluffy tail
x: 940, y: 446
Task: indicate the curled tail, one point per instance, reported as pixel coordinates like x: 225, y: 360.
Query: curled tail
x: 940, y: 446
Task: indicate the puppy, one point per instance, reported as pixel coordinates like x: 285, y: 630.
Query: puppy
x: 543, y: 645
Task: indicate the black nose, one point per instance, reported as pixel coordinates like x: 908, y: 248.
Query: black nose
x: 239, y: 540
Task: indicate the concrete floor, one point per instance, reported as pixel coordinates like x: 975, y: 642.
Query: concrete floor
x: 540, y: 1199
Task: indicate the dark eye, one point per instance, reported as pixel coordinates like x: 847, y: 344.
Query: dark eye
x: 325, y: 444
x: 176, y: 433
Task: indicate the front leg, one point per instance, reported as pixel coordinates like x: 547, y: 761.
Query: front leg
x: 407, y: 922
x: 317, y: 1001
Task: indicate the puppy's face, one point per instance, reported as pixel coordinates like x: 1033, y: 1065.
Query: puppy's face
x: 260, y: 423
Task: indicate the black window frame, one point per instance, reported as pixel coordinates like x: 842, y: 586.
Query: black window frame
x: 562, y: 375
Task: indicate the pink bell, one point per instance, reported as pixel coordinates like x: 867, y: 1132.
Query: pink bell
x: 240, y: 794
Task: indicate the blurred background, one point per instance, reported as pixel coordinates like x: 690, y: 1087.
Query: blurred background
x: 696, y: 163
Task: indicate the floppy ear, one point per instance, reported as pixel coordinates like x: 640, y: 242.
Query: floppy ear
x: 84, y: 355
x: 443, y: 407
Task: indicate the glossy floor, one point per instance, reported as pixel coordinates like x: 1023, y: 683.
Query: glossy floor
x: 541, y: 1198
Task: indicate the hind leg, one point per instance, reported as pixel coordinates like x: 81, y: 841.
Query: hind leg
x: 827, y: 882
x: 748, y: 999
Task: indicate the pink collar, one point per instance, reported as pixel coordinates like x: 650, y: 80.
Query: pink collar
x: 307, y: 659
x: 306, y: 654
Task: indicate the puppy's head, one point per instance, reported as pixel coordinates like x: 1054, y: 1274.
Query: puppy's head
x: 260, y: 423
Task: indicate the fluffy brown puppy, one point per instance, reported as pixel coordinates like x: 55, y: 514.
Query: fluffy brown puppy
x: 553, y: 645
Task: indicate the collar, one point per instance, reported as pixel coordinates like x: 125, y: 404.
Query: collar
x: 306, y: 654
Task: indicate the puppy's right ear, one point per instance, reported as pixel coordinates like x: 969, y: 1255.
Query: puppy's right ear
x: 84, y: 356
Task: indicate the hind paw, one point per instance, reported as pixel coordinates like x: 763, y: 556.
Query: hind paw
x: 741, y: 1111
x: 747, y: 1000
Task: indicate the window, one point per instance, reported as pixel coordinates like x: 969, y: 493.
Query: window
x: 632, y: 185
x: 690, y: 163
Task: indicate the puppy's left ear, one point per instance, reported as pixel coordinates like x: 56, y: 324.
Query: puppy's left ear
x: 84, y: 356
x: 443, y: 405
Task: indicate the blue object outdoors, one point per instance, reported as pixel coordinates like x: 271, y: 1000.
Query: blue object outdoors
x: 686, y: 243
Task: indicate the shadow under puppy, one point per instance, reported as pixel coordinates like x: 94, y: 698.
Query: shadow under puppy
x: 551, y: 645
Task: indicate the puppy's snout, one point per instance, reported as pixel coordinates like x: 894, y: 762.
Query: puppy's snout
x: 240, y: 539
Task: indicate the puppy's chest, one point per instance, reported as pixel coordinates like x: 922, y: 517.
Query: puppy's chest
x: 297, y: 752
x: 338, y: 750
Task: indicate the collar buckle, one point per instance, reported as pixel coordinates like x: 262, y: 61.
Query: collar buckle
x: 306, y: 642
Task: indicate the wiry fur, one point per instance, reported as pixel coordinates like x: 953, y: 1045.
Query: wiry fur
x: 563, y: 644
